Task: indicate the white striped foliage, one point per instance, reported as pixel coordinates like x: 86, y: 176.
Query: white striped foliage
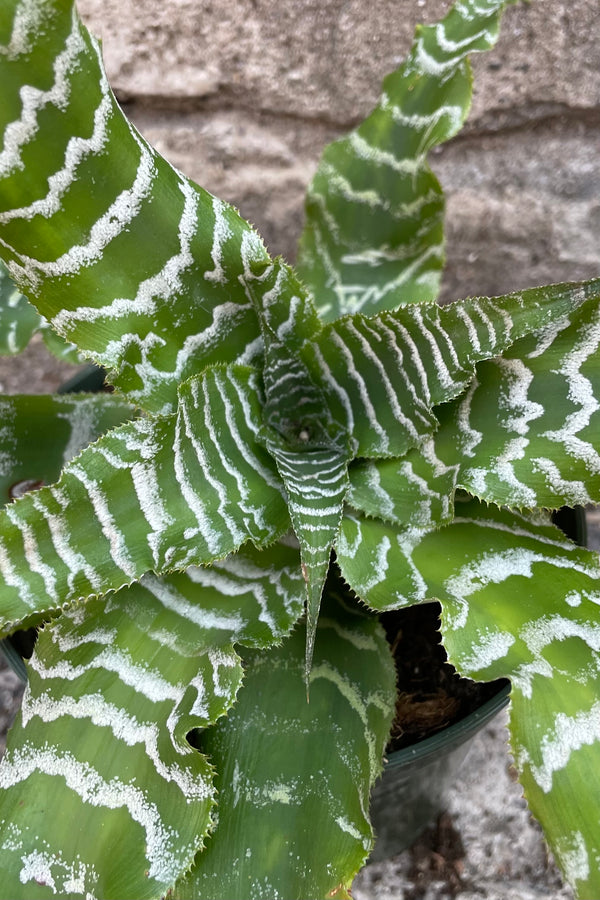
x: 383, y: 374
x: 293, y: 778
x: 258, y: 417
x: 508, y: 443
x: 114, y: 688
x: 39, y: 434
x: 522, y: 602
x: 155, y: 494
x: 373, y: 237
x: 19, y: 321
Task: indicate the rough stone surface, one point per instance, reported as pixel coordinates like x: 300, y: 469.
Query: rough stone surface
x: 243, y: 101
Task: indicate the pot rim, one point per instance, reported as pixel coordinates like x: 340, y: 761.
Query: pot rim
x: 454, y: 735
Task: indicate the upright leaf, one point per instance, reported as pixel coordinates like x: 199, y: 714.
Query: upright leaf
x: 373, y: 237
x: 286, y: 767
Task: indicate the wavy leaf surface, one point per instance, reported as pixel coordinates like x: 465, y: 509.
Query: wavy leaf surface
x: 285, y: 765
x: 156, y: 495
x: 75, y: 220
x: 519, y: 601
x: 373, y: 237
x: 514, y: 447
x: 382, y: 375
x: 103, y: 795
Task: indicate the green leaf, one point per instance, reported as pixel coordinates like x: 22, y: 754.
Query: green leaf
x: 101, y: 742
x: 40, y: 433
x: 514, y: 447
x: 521, y: 602
x: 316, y: 483
x: 158, y: 494
x: 383, y: 375
x: 374, y: 213
x: 124, y: 256
x: 285, y: 765
x: 417, y: 490
x: 115, y: 686
x: 18, y: 319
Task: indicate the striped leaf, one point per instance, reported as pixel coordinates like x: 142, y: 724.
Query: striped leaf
x: 18, y: 319
x: 522, y: 602
x: 123, y: 255
x: 547, y: 641
x: 514, y: 447
x: 373, y: 237
x: 114, y: 688
x: 40, y: 433
x: 156, y: 494
x: 316, y: 483
x: 293, y: 777
x: 382, y: 375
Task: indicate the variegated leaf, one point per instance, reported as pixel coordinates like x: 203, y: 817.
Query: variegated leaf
x: 523, y: 604
x: 374, y: 232
x: 382, y: 375
x: 114, y: 688
x: 416, y: 490
x: 157, y: 494
x: 74, y: 226
x: 18, y: 319
x: 519, y: 601
x: 40, y: 433
x: 286, y: 767
x: 510, y: 444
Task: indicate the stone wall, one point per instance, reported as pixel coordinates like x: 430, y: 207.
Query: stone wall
x: 242, y: 95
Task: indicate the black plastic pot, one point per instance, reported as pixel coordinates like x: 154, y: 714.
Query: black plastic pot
x: 413, y: 788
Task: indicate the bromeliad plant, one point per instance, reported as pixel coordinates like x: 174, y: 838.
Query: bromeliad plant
x: 261, y: 421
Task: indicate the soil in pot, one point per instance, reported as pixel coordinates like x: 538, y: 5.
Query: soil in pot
x: 431, y: 694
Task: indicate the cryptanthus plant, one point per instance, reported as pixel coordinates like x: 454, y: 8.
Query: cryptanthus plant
x: 279, y: 461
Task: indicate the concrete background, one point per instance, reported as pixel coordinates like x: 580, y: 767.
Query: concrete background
x: 242, y: 95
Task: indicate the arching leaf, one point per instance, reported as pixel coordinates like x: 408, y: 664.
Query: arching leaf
x: 157, y: 494
x: 512, y: 445
x: 284, y: 764
x: 121, y: 253
x: 40, y: 433
x: 373, y: 237
x: 383, y: 375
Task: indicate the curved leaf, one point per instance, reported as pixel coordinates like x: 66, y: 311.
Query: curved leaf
x: 546, y: 639
x: 157, y: 495
x: 40, y: 433
x: 374, y: 212
x: 382, y: 375
x: 521, y: 602
x: 284, y: 764
x: 512, y: 445
x: 114, y: 688
x: 125, y: 256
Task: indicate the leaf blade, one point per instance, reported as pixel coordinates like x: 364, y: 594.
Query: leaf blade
x: 373, y: 237
x: 264, y: 840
